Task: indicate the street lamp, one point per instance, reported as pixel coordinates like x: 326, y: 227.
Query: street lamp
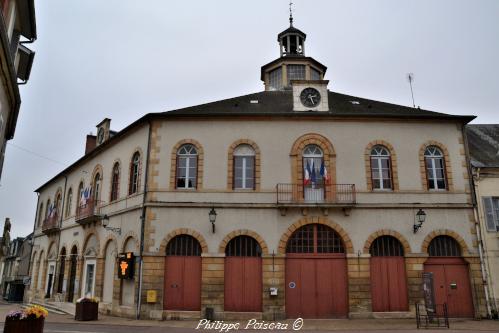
x: 105, y: 223
x: 420, y: 218
x: 213, y: 217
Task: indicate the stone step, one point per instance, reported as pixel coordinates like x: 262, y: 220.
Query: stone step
x: 50, y: 308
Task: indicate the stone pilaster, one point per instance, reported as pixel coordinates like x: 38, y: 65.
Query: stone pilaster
x: 273, y: 270
x: 212, y: 285
x: 359, y: 285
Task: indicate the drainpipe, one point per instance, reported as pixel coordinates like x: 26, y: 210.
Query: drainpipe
x: 477, y: 221
x: 33, y: 238
x: 142, y: 224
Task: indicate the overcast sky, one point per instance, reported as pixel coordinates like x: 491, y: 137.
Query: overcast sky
x: 122, y: 59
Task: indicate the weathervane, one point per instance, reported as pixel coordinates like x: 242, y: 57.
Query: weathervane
x: 291, y: 12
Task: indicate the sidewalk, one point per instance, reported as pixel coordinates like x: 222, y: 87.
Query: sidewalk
x: 309, y: 324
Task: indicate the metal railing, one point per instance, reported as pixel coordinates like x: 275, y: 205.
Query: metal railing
x: 335, y: 194
x: 51, y: 223
x: 437, y: 317
x: 87, y: 210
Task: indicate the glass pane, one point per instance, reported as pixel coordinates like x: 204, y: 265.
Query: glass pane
x: 238, y: 161
x: 439, y: 163
x: 441, y: 184
x: 385, y: 163
x: 387, y: 184
x: 238, y: 182
x: 376, y: 183
x: 182, y: 161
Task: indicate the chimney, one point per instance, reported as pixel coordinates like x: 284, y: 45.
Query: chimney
x: 91, y: 143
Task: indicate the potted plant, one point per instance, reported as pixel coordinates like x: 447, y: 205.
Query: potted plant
x: 87, y: 309
x: 28, y: 320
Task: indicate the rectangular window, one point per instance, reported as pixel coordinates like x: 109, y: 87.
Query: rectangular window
x: 244, y: 172
x: 491, y: 211
x: 381, y: 173
x: 314, y: 74
x: 435, y: 171
x: 295, y: 72
x: 275, y: 79
x: 186, y: 172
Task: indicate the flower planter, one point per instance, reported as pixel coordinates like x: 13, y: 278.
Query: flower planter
x: 23, y: 325
x: 87, y: 311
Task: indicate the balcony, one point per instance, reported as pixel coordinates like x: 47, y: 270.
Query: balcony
x: 318, y: 195
x: 88, y: 212
x: 51, y: 223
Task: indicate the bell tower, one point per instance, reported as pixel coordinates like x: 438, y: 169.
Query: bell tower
x: 292, y: 63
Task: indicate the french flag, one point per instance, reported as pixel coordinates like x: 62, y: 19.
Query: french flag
x: 324, y: 174
x: 306, y: 179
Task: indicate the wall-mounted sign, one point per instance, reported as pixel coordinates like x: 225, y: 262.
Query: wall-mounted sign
x: 126, y: 265
x: 151, y: 296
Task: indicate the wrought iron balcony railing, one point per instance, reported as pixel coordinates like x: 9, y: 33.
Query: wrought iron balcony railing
x: 316, y: 194
x: 51, y: 223
x: 88, y: 211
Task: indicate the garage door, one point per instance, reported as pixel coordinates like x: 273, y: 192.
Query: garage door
x: 182, y: 290
x: 243, y: 275
x: 388, y: 277
x: 316, y: 274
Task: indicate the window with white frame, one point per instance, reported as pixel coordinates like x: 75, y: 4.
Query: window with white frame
x: 381, y: 173
x: 491, y: 211
x: 435, y: 168
x: 244, y: 167
x: 89, y: 279
x: 187, y: 167
x: 69, y: 201
x: 134, y: 174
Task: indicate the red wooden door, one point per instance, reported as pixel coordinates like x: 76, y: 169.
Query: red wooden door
x: 388, y: 284
x: 182, y: 290
x: 243, y: 284
x: 316, y: 287
x: 452, y: 285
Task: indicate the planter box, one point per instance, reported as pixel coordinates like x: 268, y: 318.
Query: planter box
x: 87, y: 311
x: 24, y: 326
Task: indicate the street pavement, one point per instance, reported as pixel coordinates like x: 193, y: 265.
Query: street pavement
x: 57, y: 323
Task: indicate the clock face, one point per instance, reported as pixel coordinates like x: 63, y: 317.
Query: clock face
x: 310, y: 97
x: 100, y: 135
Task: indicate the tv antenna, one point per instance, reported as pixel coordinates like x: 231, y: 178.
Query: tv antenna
x: 410, y: 78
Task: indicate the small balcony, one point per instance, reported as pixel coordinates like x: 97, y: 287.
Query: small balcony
x: 315, y: 195
x: 51, y: 223
x: 88, y: 212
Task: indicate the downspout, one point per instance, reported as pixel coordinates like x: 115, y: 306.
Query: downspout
x: 477, y: 221
x: 142, y: 224
x: 33, y: 238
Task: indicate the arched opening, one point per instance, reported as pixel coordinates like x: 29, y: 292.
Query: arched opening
x: 72, y: 273
x: 62, y: 266
x: 89, y: 267
x: 316, y: 273
x: 243, y: 275
x: 313, y: 174
x: 109, y: 271
x: 388, y: 276
x: 128, y: 285
x: 450, y: 274
x: 182, y: 290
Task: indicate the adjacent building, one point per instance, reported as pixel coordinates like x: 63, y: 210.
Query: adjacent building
x: 483, y: 143
x: 296, y: 201
x: 17, y: 29
x: 16, y: 271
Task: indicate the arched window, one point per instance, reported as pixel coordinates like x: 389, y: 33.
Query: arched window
x: 313, y: 164
x: 244, y: 167
x: 134, y: 174
x: 40, y: 215
x: 69, y: 202
x: 97, y: 187
x: 80, y: 194
x: 187, y: 167
x: 57, y: 205
x: 381, y: 168
x: 47, y: 209
x: 243, y: 246
x: 183, y: 245
x: 435, y: 168
x: 315, y: 238
x: 444, y: 246
x: 115, y: 182
x: 386, y: 246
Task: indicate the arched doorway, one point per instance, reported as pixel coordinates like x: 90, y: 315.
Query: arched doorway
x: 451, y: 281
x: 316, y: 274
x: 62, y: 266
x: 109, y: 266
x: 243, y: 275
x: 388, y: 277
x: 127, y: 289
x: 72, y: 273
x: 182, y: 290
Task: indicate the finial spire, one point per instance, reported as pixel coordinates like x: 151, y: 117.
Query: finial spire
x: 291, y: 13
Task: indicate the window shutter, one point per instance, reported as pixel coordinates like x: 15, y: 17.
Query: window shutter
x: 489, y: 213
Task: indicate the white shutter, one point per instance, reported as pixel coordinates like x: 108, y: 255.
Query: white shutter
x: 489, y: 213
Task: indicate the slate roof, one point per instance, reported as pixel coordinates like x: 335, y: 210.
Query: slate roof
x: 483, y: 145
x: 280, y: 103
x: 291, y: 30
